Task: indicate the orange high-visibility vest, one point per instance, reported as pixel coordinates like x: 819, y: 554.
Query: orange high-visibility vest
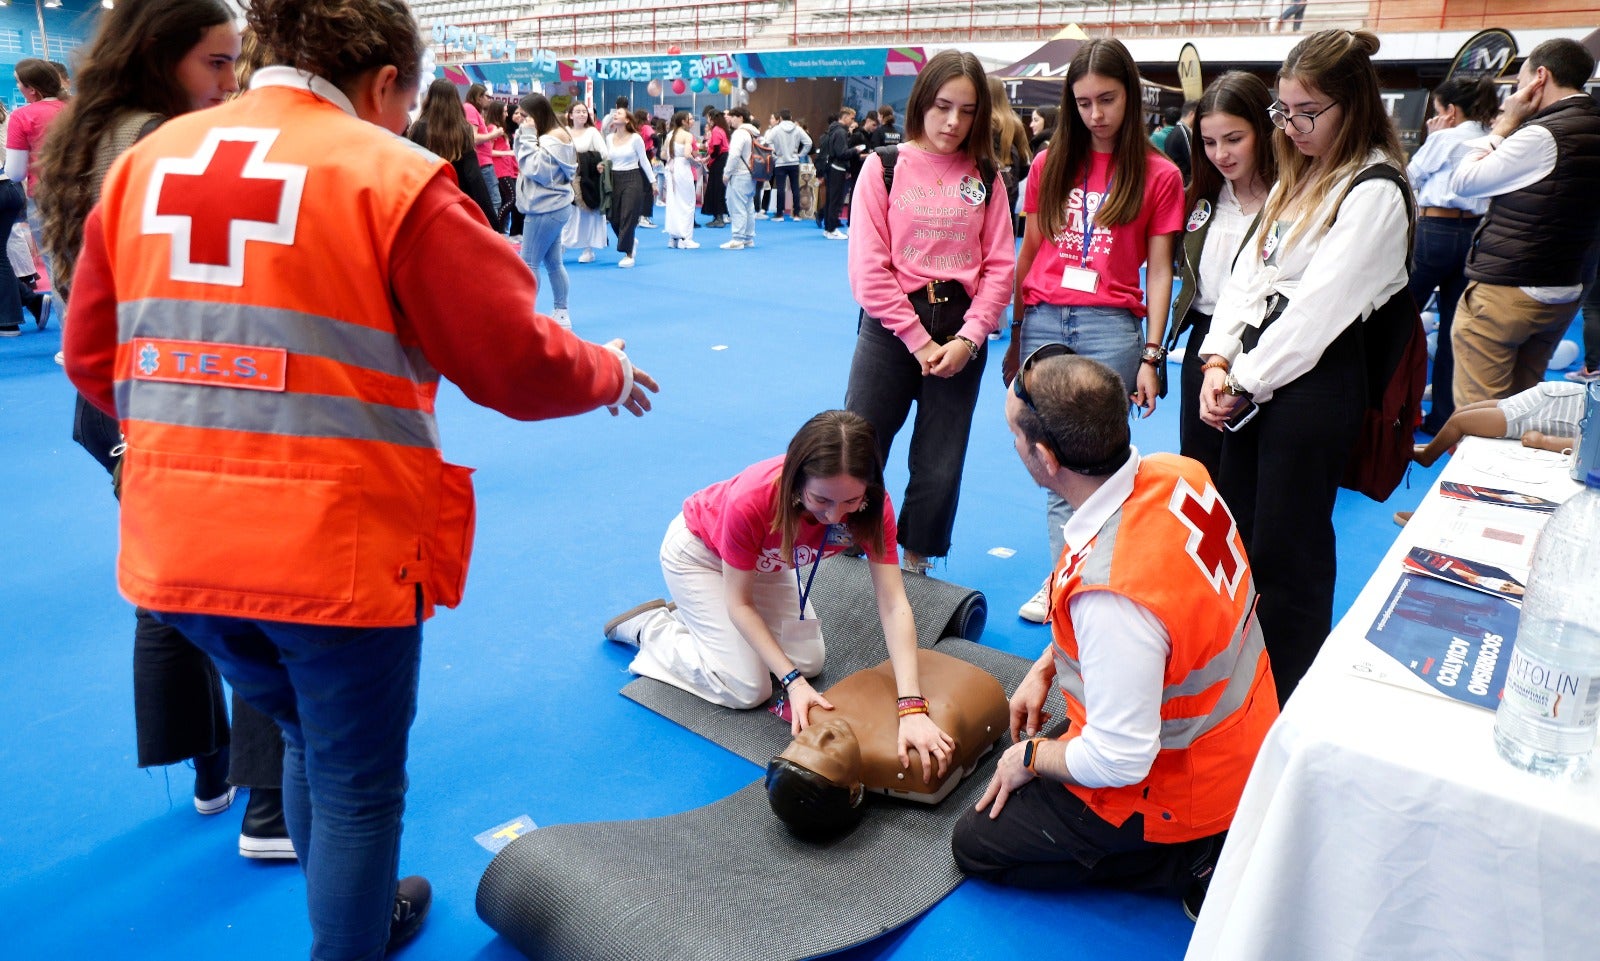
x: 282, y: 461
x: 1174, y: 549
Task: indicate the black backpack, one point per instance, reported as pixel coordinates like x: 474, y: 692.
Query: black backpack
x: 889, y: 155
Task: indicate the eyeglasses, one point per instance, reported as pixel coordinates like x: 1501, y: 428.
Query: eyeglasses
x: 1302, y: 122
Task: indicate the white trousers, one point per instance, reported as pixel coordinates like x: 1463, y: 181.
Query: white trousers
x: 697, y: 648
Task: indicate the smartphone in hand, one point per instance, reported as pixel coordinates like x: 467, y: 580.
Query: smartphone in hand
x: 1243, y: 413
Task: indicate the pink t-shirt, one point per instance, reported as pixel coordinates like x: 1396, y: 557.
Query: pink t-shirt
x: 1116, y: 253
x: 485, y: 154
x: 26, y: 132
x: 931, y: 231
x: 734, y: 519
x: 503, y: 166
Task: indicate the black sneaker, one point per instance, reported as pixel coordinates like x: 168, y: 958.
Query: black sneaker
x: 1201, y: 870
x: 264, y: 835
x: 413, y: 897
x: 212, y: 792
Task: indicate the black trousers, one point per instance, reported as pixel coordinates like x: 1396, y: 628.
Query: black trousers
x: 1196, y: 438
x: 508, y: 207
x: 625, y: 207
x: 1047, y: 838
x: 647, y: 196
x: 1280, y: 476
x: 885, y: 379
x: 715, y: 201
x: 835, y: 181
x: 791, y: 176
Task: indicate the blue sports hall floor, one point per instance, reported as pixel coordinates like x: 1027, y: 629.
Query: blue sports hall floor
x: 519, y: 712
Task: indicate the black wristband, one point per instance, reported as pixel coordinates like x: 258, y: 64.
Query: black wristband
x: 790, y: 678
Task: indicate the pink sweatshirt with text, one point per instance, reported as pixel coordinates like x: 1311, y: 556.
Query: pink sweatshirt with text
x: 930, y: 231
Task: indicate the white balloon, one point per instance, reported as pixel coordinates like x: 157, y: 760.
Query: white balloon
x: 750, y: 85
x: 1566, y: 353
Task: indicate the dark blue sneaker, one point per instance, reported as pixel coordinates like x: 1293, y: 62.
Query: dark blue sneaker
x: 413, y: 897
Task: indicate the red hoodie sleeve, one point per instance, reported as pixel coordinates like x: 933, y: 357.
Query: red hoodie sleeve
x: 492, y: 344
x: 89, y: 335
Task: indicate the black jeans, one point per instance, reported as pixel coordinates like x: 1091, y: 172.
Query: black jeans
x: 13, y: 207
x: 791, y: 175
x: 1047, y: 838
x: 647, y: 196
x: 1196, y: 438
x: 1591, y: 311
x: 885, y: 379
x: 1280, y: 476
x: 1439, y: 261
x: 508, y: 207
x: 835, y: 180
x: 715, y: 201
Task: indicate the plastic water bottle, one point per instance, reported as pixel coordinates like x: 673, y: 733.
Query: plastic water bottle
x: 1548, y: 711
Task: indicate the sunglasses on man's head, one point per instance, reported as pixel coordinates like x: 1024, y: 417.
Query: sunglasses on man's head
x: 1042, y: 352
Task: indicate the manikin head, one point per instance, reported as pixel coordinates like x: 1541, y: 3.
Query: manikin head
x: 814, y: 786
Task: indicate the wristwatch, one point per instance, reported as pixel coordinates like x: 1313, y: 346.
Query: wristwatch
x: 1231, y: 386
x: 1153, y: 354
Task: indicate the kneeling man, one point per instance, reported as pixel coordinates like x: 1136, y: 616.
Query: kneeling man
x: 1155, y: 646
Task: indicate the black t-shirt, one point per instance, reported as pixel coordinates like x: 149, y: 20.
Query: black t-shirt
x: 886, y: 135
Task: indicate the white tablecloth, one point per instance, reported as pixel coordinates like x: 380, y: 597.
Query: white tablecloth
x: 1379, y: 822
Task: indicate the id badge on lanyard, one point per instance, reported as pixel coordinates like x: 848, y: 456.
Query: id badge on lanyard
x: 1082, y: 276
x: 803, y: 630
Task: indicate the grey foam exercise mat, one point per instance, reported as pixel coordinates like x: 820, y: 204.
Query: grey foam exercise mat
x: 848, y: 611
x: 726, y: 882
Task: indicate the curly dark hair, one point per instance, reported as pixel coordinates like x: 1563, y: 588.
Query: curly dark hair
x: 338, y: 40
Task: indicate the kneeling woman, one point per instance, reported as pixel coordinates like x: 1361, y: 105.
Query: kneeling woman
x: 739, y: 562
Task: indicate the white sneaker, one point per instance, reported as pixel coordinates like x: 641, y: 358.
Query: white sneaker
x: 626, y: 627
x: 587, y: 257
x: 733, y: 245
x: 761, y: 215
x: 562, y: 317
x: 778, y: 219
x: 625, y: 262
x: 647, y: 223
x: 688, y: 245
x: 1037, y: 609
x: 835, y: 235
x: 61, y: 358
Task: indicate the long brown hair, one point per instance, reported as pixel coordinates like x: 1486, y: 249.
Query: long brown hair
x: 445, y: 130
x: 43, y: 76
x: 946, y: 66
x: 130, y: 65
x: 1242, y: 95
x: 1068, y: 158
x: 832, y: 443
x: 1337, y: 63
x: 1010, y: 132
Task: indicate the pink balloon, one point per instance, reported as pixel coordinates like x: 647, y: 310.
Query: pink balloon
x: 673, y: 51
x: 654, y: 87
x: 678, y: 86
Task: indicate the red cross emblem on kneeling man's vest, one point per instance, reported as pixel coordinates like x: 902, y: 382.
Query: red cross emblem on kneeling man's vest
x: 215, y: 202
x: 1212, y: 543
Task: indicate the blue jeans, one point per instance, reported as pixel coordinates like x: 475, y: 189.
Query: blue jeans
x: 541, y: 243
x: 1111, y: 335
x: 791, y: 176
x: 491, y: 183
x: 344, y: 699
x: 1439, y: 260
x: 741, y: 207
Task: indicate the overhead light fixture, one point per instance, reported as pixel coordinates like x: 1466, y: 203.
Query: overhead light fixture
x: 108, y: 4
x: 51, y: 4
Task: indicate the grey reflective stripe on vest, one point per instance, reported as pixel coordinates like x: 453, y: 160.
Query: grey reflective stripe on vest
x: 1236, y: 661
x: 298, y: 333
x: 271, y: 412
x: 268, y: 412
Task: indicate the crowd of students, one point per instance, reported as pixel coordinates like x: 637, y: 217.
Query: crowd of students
x: 1297, y: 222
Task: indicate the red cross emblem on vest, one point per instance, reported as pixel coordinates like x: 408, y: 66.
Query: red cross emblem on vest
x: 1213, y: 542
x: 214, y: 203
